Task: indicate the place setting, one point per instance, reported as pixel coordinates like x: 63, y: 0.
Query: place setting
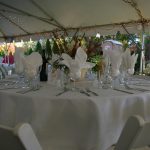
x: 75, y: 79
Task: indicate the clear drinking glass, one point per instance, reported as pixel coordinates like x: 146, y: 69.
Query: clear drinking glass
x: 107, y: 79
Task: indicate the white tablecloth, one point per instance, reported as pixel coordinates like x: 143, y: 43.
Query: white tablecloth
x: 73, y: 121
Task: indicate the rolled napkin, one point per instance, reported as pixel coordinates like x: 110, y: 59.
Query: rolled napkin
x: 77, y: 65
x: 112, y: 51
x: 129, y: 61
x: 19, y: 59
x: 32, y: 64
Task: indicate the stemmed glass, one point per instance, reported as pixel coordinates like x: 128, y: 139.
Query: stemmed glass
x: 126, y: 76
x: 31, y: 79
x: 35, y: 80
x: 64, y: 79
x: 107, y: 79
x: 21, y: 82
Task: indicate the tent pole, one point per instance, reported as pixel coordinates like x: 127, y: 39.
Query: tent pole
x: 142, y: 58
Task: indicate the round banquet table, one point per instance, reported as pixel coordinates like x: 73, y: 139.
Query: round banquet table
x: 73, y: 121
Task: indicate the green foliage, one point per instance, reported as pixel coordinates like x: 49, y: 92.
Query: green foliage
x: 95, y: 59
x: 48, y: 50
x: 29, y: 45
x: 2, y: 53
x: 147, y: 49
x: 38, y: 48
x: 121, y: 37
x: 137, y: 65
x: 96, y: 39
x: 147, y: 40
x: 28, y: 51
x: 61, y: 49
x: 65, y: 45
x: 108, y: 37
x: 56, y: 49
x: 125, y: 38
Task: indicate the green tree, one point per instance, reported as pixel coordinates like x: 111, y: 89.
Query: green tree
x: 2, y: 53
x: 38, y: 48
x: 55, y: 47
x: 28, y: 51
x: 48, y: 50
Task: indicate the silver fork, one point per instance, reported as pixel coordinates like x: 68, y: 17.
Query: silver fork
x: 84, y: 92
x: 89, y: 91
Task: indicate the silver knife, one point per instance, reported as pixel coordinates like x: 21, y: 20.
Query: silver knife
x: 94, y: 93
x: 128, y: 92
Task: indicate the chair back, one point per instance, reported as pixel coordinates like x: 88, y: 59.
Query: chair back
x: 26, y: 134
x: 132, y: 134
x: 143, y: 138
x: 8, y: 141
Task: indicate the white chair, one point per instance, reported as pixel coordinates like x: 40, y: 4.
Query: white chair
x: 135, y: 135
x: 21, y: 137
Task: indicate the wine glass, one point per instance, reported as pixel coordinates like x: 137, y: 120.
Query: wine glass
x: 107, y: 79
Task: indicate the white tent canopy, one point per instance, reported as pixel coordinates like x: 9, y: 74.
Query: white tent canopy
x: 37, y: 18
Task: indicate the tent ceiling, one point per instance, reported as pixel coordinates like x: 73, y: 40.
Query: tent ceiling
x: 27, y: 17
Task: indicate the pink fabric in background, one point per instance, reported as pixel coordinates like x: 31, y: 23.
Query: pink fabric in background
x: 8, y: 59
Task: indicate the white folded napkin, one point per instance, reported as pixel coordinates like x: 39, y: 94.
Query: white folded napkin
x: 32, y: 63
x: 78, y: 64
x: 112, y: 51
x: 19, y: 58
x: 129, y: 61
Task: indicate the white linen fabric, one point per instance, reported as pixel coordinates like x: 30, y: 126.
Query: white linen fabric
x: 31, y: 64
x: 112, y: 51
x: 73, y: 121
x: 128, y: 61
